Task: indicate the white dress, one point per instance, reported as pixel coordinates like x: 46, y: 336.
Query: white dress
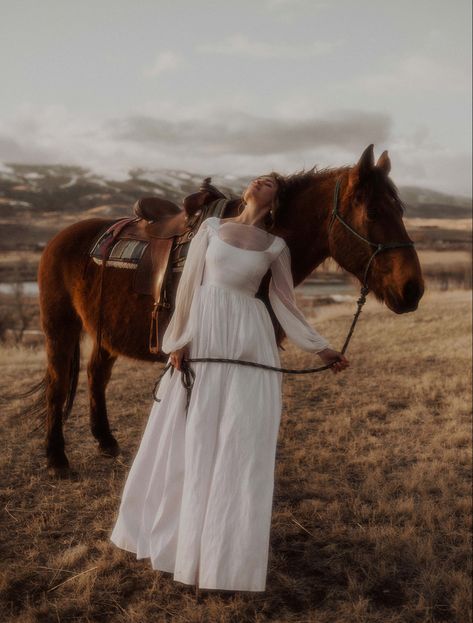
x: 198, y: 497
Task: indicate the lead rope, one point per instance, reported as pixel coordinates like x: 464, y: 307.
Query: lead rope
x: 187, y: 372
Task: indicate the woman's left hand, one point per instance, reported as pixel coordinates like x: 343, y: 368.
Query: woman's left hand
x: 334, y: 358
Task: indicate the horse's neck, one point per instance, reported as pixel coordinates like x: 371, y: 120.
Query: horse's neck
x: 314, y: 212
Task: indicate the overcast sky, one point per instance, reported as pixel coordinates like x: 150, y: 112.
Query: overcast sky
x: 244, y: 87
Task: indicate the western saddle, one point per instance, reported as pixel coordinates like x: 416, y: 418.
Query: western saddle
x: 155, y: 243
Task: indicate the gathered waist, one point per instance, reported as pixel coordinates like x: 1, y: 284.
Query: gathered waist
x: 235, y: 291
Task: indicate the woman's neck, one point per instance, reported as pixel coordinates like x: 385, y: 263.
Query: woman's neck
x: 253, y: 214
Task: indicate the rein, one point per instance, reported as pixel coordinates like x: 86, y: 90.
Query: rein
x: 188, y: 374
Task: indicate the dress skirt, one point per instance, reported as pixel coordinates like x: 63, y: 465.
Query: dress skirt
x: 198, y: 497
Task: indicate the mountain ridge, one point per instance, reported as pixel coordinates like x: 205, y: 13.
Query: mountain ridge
x: 49, y: 188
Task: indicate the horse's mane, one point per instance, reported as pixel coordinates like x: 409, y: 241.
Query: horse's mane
x: 302, y: 179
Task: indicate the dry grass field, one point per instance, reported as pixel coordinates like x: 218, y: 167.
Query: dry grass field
x: 372, y: 503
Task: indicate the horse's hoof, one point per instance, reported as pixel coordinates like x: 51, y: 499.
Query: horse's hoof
x: 58, y: 465
x: 60, y: 471
x: 109, y: 448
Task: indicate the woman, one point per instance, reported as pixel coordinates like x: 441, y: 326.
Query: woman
x: 198, y: 498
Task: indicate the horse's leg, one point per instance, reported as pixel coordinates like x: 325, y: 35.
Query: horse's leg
x: 99, y: 370
x: 63, y: 355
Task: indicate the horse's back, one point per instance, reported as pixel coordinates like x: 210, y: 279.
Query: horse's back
x: 66, y: 254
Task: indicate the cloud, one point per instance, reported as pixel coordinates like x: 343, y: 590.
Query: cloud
x: 416, y: 71
x: 165, y: 61
x: 228, y: 142
x: 241, y: 45
x: 10, y: 149
x: 242, y: 133
x: 417, y: 160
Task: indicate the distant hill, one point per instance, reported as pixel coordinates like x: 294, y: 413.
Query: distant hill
x: 75, y: 190
x: 426, y: 203
x: 35, y: 189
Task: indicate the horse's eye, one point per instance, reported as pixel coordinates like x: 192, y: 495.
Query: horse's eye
x: 358, y: 198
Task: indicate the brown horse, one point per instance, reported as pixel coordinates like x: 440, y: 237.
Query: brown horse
x: 69, y: 294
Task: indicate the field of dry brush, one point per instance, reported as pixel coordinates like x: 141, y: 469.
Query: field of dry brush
x: 372, y: 503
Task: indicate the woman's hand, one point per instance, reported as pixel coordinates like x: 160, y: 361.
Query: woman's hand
x: 178, y: 355
x: 335, y: 359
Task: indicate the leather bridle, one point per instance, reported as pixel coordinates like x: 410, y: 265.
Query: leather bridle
x: 379, y: 245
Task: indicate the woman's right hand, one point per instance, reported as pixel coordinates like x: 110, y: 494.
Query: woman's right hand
x: 178, y: 355
x: 335, y: 359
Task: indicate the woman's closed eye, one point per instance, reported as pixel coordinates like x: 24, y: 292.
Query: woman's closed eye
x: 267, y: 182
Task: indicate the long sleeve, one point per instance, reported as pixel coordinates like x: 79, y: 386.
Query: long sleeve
x: 283, y: 302
x: 179, y: 331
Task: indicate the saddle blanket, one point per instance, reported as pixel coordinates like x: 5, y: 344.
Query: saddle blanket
x: 124, y: 252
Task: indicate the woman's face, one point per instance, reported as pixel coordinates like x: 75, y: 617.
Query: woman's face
x: 262, y: 190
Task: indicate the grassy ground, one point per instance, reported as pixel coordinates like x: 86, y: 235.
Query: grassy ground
x: 372, y: 504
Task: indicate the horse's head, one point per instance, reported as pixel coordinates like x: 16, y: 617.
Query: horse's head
x: 369, y: 204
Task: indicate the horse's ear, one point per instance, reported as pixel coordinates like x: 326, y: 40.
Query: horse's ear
x: 366, y: 162
x: 384, y: 162
x: 364, y: 165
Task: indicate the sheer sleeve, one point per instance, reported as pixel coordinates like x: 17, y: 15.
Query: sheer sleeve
x: 179, y: 331
x: 283, y: 302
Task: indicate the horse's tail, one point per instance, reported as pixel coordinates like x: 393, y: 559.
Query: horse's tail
x: 38, y: 408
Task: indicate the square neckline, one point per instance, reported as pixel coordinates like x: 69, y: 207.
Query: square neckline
x: 269, y: 248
